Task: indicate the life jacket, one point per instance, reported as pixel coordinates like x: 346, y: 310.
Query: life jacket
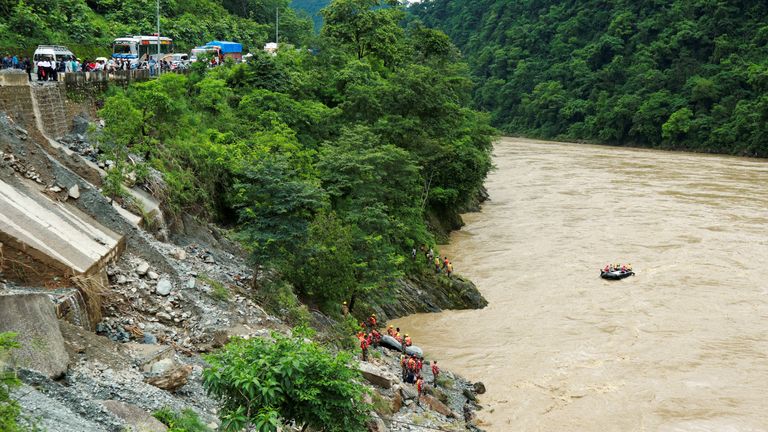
x: 398, y: 337
x: 450, y: 268
x: 408, y: 341
x: 372, y: 321
x: 391, y: 332
x: 419, y: 364
x: 364, y: 344
x: 402, y: 361
x: 435, y: 370
x: 411, y: 364
x: 419, y: 384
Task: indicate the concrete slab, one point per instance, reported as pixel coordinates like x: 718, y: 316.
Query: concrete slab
x: 55, y: 234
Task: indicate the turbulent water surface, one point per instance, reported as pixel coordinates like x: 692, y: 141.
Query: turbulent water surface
x: 682, y: 346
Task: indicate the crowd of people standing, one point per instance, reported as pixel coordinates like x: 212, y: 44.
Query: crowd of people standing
x: 411, y: 365
x: 443, y: 265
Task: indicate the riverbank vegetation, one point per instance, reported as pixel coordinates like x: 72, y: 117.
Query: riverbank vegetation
x: 325, y: 160
x: 688, y: 75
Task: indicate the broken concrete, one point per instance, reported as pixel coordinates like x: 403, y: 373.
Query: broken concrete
x: 64, y: 240
x: 33, y: 318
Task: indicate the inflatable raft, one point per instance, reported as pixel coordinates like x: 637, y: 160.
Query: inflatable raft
x: 614, y: 275
x: 392, y: 343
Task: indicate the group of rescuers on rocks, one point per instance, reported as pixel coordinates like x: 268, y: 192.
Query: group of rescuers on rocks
x: 369, y: 335
x: 411, y: 365
x: 441, y: 266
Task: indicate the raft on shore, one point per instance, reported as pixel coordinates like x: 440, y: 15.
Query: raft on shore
x: 392, y: 343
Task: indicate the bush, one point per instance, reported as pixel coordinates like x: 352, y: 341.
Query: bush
x: 185, y: 421
x: 261, y: 383
x: 9, y: 408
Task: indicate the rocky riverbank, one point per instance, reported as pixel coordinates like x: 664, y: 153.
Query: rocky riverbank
x: 161, y: 307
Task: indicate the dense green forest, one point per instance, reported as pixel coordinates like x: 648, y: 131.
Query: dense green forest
x: 88, y: 27
x: 678, y: 74
x: 312, y: 8
x: 326, y: 162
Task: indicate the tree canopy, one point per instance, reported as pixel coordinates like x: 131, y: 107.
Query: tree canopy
x: 325, y: 162
x: 682, y: 74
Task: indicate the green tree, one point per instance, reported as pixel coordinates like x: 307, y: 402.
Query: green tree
x: 9, y: 408
x: 369, y: 27
x: 263, y: 383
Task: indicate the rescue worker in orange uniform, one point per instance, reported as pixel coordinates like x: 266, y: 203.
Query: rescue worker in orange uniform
x: 364, y: 347
x: 419, y: 388
x: 408, y: 340
x: 435, y: 372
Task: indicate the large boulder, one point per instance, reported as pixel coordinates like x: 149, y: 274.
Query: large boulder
x: 438, y: 406
x: 376, y: 376
x: 172, y: 378
x: 33, y: 318
x: 135, y: 418
x: 408, y: 392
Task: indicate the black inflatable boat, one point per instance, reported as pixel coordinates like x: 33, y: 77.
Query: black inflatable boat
x: 392, y: 343
x: 616, y: 274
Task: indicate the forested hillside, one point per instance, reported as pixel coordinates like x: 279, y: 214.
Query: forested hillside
x: 89, y: 26
x: 312, y: 7
x: 326, y: 163
x: 681, y: 74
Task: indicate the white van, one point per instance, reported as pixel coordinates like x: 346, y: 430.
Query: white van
x: 53, y: 52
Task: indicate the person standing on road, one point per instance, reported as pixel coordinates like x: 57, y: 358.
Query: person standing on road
x: 28, y: 68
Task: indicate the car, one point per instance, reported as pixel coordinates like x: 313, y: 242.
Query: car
x: 177, y: 60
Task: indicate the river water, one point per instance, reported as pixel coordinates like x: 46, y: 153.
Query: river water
x: 681, y: 346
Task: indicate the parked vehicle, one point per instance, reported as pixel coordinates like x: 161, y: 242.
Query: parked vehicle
x: 221, y: 50
x: 141, y: 48
x: 177, y: 60
x: 57, y: 53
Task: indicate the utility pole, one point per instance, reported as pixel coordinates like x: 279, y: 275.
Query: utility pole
x: 157, y: 63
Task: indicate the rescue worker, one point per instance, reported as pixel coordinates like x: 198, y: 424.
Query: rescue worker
x: 344, y: 309
x: 435, y: 372
x: 419, y: 388
x: 629, y: 267
x: 411, y: 365
x: 403, y: 367
x: 372, y: 321
x: 391, y: 330
x: 437, y: 264
x: 449, y: 270
x: 445, y: 262
x: 364, y: 347
x: 398, y: 336
x: 607, y: 268
x: 376, y: 338
x: 408, y: 341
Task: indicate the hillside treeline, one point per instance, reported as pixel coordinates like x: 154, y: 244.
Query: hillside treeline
x: 678, y: 74
x: 325, y: 162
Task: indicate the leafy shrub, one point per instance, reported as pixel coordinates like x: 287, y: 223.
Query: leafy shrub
x: 262, y: 383
x: 185, y: 421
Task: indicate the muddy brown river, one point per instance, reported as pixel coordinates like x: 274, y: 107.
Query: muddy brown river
x: 681, y: 346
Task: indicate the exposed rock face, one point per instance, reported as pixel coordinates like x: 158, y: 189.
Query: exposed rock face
x: 136, y: 419
x: 433, y: 294
x: 33, y: 317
